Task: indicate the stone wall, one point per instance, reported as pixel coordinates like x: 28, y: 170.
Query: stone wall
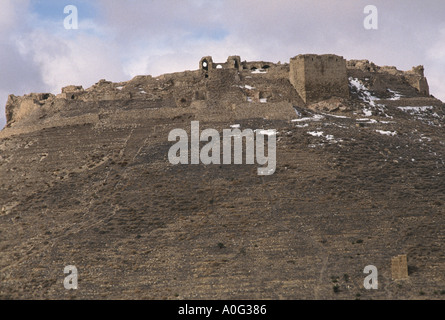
x: 389, y: 76
x: 319, y: 77
x: 416, y: 79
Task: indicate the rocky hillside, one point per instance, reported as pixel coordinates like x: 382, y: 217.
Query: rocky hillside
x: 85, y: 180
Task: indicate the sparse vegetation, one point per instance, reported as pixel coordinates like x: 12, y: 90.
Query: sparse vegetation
x: 131, y: 220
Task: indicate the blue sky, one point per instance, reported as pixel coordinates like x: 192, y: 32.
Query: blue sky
x: 52, y: 9
x: 118, y: 40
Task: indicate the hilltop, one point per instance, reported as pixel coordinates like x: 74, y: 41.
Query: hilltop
x: 86, y: 181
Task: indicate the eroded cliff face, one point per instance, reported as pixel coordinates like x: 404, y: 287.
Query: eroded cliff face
x: 86, y: 181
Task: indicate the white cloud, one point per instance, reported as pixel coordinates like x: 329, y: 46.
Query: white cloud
x: 435, y: 66
x: 10, y: 12
x: 81, y: 60
x: 17, y: 75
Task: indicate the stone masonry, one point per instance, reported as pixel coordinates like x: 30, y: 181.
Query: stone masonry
x: 399, y: 267
x: 319, y: 77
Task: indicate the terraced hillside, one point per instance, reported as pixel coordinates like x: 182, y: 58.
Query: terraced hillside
x: 86, y: 181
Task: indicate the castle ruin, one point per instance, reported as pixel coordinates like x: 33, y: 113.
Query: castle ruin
x: 307, y: 80
x: 319, y: 77
x: 207, y: 65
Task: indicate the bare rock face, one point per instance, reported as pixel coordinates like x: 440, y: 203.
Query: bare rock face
x: 18, y: 108
x: 359, y: 180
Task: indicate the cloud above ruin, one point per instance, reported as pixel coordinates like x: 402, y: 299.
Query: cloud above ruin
x: 117, y: 40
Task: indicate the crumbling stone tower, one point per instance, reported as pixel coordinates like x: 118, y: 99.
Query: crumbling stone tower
x: 210, y: 68
x: 416, y: 78
x: 319, y: 77
x: 234, y: 62
x: 206, y: 63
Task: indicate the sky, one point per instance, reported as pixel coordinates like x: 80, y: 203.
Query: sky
x: 117, y: 40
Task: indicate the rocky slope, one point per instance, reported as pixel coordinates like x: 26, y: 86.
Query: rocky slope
x: 86, y: 181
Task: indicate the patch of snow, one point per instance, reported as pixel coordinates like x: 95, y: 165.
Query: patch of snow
x: 367, y: 112
x: 367, y: 120
x: 336, y: 116
x: 249, y: 99
x: 316, y: 133
x: 119, y: 88
x: 362, y: 91
x: 235, y: 126
x: 387, y: 122
x: 316, y: 117
x: 425, y: 138
x: 423, y: 113
x: 259, y: 71
x: 263, y: 100
x: 248, y: 87
x: 316, y: 145
x: 270, y: 132
x: 328, y: 137
x: 416, y: 109
x: 387, y: 133
x: 396, y: 95
x: 365, y: 95
x: 302, y: 125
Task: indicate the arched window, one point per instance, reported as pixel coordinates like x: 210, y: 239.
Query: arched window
x: 205, y: 65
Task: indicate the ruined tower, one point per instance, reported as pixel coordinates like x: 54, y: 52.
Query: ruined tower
x: 319, y: 77
x: 416, y: 78
x: 206, y: 63
x: 234, y: 62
